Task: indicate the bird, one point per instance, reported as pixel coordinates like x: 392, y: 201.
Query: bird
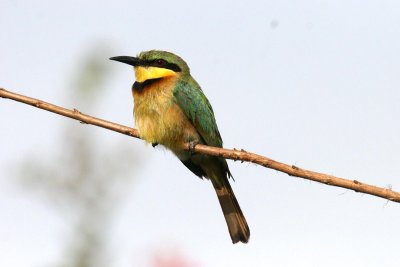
x: 171, y: 109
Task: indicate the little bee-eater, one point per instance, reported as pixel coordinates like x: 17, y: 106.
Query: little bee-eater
x: 171, y: 109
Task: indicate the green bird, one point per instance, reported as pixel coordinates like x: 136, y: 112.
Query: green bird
x: 171, y: 109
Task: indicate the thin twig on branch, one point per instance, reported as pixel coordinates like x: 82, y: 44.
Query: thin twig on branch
x: 234, y: 154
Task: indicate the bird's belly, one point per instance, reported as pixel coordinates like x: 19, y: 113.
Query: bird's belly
x: 160, y: 120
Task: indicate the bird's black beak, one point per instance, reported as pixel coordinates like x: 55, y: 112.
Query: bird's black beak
x: 133, y: 61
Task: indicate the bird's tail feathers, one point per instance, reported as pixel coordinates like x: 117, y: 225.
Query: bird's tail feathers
x: 237, y: 225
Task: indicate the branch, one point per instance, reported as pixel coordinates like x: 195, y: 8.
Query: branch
x: 233, y: 154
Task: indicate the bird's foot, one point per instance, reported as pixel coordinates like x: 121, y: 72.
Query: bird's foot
x: 154, y: 144
x: 192, y: 146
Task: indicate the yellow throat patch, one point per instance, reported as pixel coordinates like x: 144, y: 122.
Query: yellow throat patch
x: 146, y: 73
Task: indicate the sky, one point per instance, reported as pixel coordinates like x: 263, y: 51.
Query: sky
x: 310, y: 83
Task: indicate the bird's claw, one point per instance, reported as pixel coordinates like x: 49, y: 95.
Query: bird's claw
x: 192, y: 146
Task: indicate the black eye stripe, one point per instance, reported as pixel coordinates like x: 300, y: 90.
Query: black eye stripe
x: 158, y: 63
x: 161, y: 63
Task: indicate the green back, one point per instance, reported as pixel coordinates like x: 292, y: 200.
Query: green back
x: 195, y: 105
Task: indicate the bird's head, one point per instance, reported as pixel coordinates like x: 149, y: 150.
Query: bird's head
x: 155, y: 64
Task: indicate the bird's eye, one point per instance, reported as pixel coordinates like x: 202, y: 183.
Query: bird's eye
x: 161, y: 62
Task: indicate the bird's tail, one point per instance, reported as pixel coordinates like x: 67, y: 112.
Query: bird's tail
x: 237, y: 225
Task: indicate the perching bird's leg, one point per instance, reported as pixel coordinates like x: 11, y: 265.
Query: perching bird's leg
x: 154, y: 144
x: 192, y: 146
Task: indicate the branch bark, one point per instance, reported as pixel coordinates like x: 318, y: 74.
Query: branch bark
x: 233, y: 154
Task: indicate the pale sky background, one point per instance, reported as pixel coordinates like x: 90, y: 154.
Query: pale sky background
x: 310, y: 83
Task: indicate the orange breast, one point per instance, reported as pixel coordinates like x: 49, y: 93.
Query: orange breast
x: 159, y: 118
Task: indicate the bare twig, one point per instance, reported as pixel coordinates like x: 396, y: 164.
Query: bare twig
x: 234, y: 154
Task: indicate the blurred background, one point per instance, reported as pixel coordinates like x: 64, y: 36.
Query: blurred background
x: 310, y: 83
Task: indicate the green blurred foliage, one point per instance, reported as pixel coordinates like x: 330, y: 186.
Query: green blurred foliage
x: 83, y: 181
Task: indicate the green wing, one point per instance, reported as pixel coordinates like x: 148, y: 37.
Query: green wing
x: 195, y: 105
